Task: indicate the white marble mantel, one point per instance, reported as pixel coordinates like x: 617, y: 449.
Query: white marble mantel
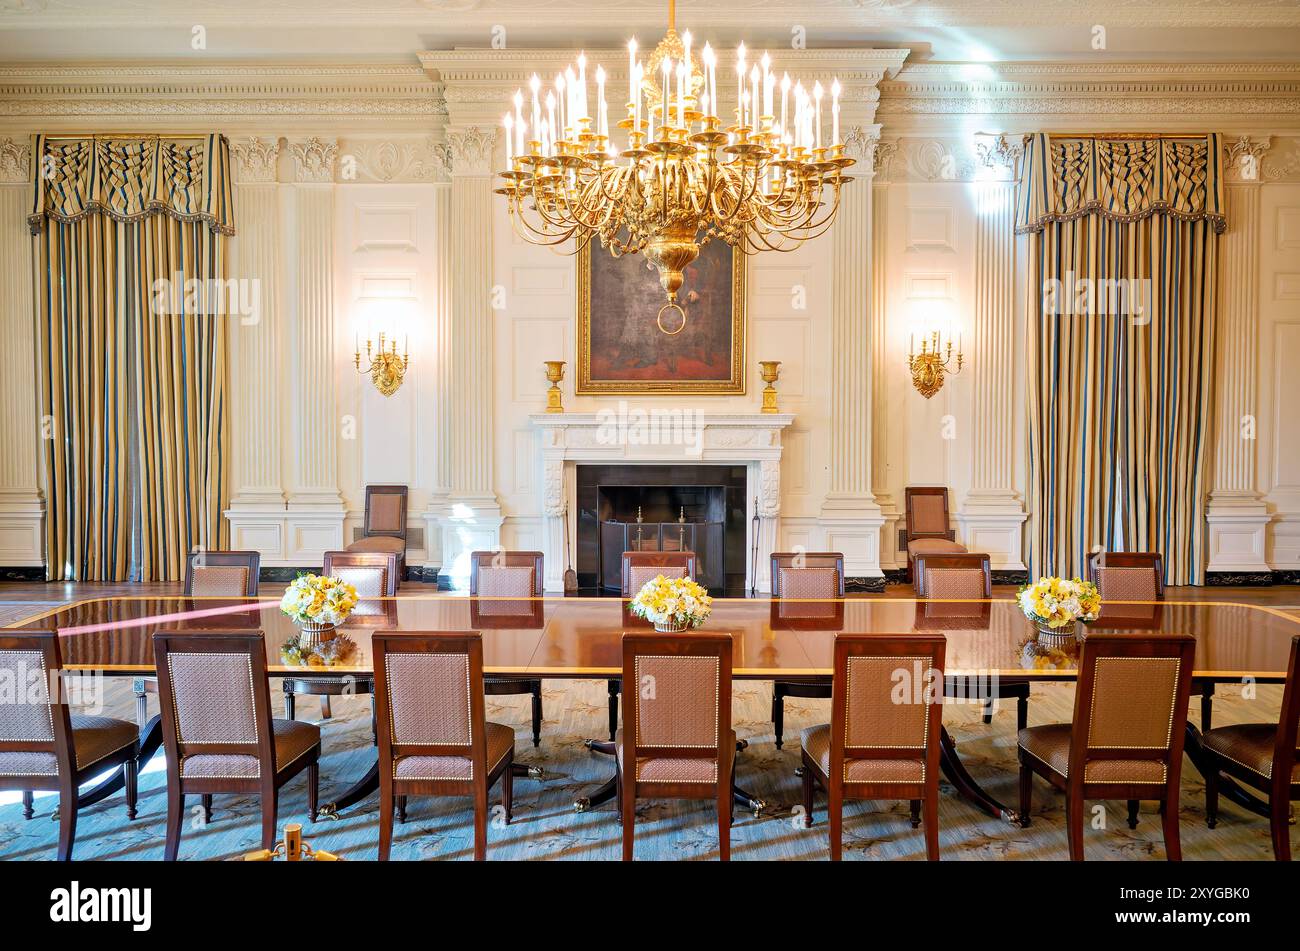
x: 659, y: 436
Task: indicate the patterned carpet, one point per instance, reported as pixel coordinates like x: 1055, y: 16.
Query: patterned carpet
x: 545, y: 825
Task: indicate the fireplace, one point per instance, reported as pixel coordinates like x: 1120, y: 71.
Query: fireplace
x: 698, y: 508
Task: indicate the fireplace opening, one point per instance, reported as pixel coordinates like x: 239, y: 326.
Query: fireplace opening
x: 661, y: 508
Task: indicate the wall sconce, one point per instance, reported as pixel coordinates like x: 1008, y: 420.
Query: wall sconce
x: 932, y: 362
x: 385, y: 366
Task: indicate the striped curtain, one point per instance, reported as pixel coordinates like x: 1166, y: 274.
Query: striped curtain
x: 1123, y: 254
x: 131, y: 280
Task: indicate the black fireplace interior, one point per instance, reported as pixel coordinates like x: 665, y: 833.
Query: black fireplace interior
x: 701, y: 508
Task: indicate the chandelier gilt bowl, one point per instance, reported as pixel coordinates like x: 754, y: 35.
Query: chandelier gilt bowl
x: 767, y: 178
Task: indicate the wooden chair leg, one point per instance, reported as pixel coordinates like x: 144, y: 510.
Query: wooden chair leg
x: 131, y: 773
x: 386, y: 806
x: 778, y: 714
x: 1132, y: 813
x: 1026, y: 793
x: 175, y: 819
x: 28, y: 799
x: 1169, y: 819
x: 270, y: 810
x: 401, y: 809
x: 931, y: 824
x: 1207, y: 709
x: 537, y: 713
x: 480, y: 821
x: 313, y: 789
x: 613, y: 709
x: 1280, y: 826
x: 835, y: 818
x: 1212, y: 797
x: 724, y: 818
x: 1074, y: 824
x: 508, y: 788
x: 326, y: 712
x: 207, y: 809
x: 628, y: 804
x: 808, y: 790
x: 916, y: 813
x: 67, y: 821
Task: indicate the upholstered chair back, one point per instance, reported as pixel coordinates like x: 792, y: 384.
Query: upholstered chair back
x: 886, y: 703
x: 642, y: 566
x: 372, y: 573
x: 814, y: 574
x: 385, y: 510
x: 215, y: 703
x: 32, y: 730
x: 506, y: 574
x: 927, y: 511
x: 953, y: 576
x: 681, y: 706
x: 1288, y: 733
x: 222, y: 574
x: 1130, y: 706
x: 429, y: 702
x: 1128, y: 575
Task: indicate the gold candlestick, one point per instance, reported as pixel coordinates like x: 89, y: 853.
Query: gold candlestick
x: 554, y: 373
x: 770, y: 374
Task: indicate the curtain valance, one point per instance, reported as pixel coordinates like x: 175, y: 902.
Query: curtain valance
x: 1120, y: 179
x: 131, y: 177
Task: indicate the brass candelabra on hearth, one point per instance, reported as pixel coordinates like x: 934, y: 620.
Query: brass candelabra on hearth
x: 932, y: 363
x: 293, y: 848
x: 386, y: 367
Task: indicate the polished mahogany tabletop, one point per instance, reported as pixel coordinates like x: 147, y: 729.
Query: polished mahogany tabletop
x: 580, y: 637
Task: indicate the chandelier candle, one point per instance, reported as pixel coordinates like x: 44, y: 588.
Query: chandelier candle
x: 679, y: 176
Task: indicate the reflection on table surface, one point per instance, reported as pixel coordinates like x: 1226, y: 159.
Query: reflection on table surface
x: 580, y: 637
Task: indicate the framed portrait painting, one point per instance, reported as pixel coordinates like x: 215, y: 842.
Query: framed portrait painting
x: 621, y: 348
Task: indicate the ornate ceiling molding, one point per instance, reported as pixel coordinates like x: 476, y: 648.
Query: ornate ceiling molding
x: 389, y: 160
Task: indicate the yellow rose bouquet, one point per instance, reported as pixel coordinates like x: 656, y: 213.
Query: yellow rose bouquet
x: 318, y: 602
x: 1055, y: 604
x: 672, y: 604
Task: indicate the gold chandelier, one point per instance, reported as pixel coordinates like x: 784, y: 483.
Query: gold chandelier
x: 767, y: 181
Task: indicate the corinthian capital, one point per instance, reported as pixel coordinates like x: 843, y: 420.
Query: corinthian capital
x: 313, y: 160
x: 470, y: 149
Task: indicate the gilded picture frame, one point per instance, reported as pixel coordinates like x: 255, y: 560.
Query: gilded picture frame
x: 622, y: 352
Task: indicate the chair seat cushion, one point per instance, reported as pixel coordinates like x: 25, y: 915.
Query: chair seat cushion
x: 816, y: 742
x: 98, y: 737
x: 674, y: 769
x: 934, y: 546
x: 500, y: 741
x: 383, y: 543
x: 293, y: 740
x: 1050, y: 745
x: 1249, y: 745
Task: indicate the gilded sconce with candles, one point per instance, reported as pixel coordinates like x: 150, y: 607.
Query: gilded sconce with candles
x: 932, y: 362
x: 386, y: 366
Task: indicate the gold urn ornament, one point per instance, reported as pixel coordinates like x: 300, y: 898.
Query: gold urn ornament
x: 554, y: 396
x: 770, y: 372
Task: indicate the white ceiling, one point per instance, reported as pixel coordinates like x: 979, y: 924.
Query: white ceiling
x: 394, y: 30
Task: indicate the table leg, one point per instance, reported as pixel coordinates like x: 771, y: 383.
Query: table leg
x: 609, y: 788
x: 150, y: 741
x: 966, y: 786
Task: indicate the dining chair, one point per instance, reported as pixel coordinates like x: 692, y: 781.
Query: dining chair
x: 217, y: 729
x: 434, y: 737
x: 876, y: 747
x: 638, y: 568
x: 795, y: 576
x: 509, y: 574
x: 208, y: 574
x: 375, y: 575
x: 960, y: 577
x: 1126, y: 740
x: 680, y: 744
x: 383, y: 528
x: 927, y: 529
x: 43, y: 746
x: 1122, y: 576
x: 1264, y: 756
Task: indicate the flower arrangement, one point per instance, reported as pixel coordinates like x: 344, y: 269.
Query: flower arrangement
x: 318, y: 601
x: 1056, y: 603
x: 672, y: 604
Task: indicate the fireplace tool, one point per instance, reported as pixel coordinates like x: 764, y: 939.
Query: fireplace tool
x: 753, y: 570
x: 570, y: 576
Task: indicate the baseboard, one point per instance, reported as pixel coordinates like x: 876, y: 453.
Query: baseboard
x: 22, y: 572
x: 1250, y: 579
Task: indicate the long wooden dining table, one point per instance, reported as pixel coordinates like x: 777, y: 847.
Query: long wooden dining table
x: 989, y: 643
